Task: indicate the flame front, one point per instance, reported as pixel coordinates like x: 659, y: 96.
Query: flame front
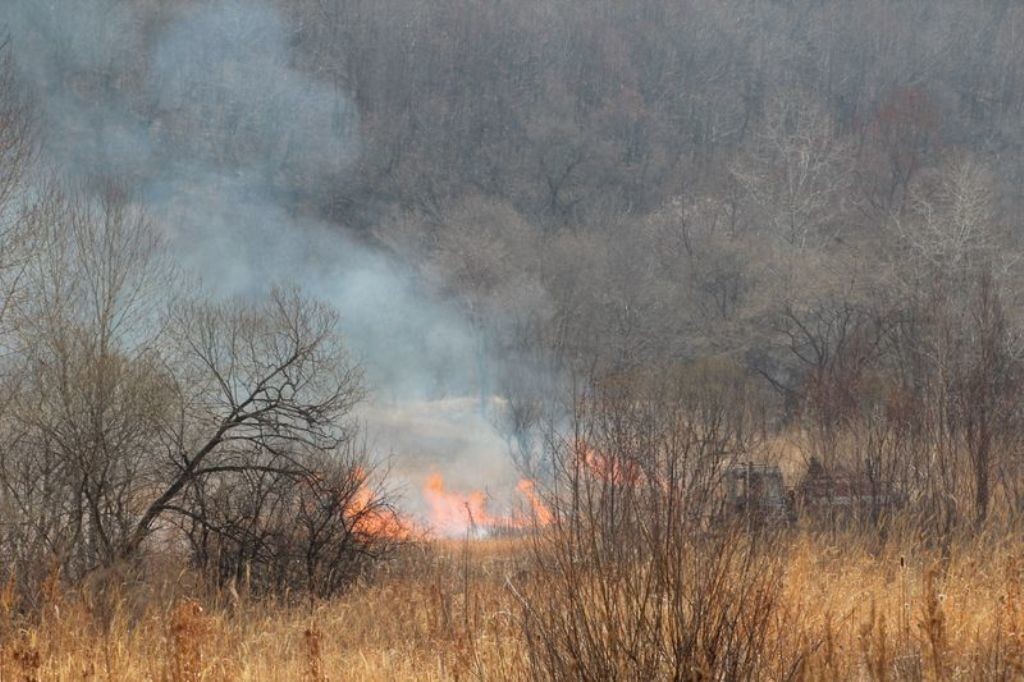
x: 453, y: 513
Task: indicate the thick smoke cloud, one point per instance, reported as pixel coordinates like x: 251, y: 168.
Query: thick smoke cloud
x: 201, y: 113
x: 229, y: 147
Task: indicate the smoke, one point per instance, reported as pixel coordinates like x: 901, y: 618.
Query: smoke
x: 200, y: 109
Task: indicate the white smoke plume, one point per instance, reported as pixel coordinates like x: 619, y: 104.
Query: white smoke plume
x: 199, y: 109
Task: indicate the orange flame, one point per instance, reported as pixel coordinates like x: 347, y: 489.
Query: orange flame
x: 610, y: 469
x: 452, y: 513
x: 373, y: 520
x: 541, y: 514
x: 457, y: 513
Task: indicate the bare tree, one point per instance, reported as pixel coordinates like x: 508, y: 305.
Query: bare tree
x: 798, y: 172
x: 128, y: 397
x: 90, y: 386
x: 256, y: 384
x: 279, y: 531
x: 18, y: 152
x: 950, y: 225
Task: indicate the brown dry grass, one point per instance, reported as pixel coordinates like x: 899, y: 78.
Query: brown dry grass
x: 445, y: 611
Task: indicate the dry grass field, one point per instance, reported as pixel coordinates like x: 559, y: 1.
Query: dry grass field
x: 459, y: 610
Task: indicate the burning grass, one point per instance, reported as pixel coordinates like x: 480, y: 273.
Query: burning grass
x: 462, y: 609
x: 457, y: 513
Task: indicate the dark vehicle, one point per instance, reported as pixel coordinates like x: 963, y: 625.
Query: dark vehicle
x: 843, y: 496
x: 758, y: 492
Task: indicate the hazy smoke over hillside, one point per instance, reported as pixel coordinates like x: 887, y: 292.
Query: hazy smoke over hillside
x: 199, y: 112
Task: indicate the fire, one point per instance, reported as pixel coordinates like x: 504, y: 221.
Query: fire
x: 456, y: 513
x: 371, y: 519
x: 541, y: 514
x: 450, y: 513
x: 610, y: 469
x: 453, y: 513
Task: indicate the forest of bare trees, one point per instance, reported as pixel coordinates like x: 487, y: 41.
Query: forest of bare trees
x: 677, y: 237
